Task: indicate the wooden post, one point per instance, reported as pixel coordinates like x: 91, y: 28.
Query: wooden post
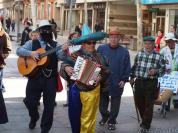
x: 139, y: 26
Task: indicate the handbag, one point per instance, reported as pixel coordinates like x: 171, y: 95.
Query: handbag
x: 59, y: 83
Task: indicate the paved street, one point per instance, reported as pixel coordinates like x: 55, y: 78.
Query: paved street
x: 18, y: 115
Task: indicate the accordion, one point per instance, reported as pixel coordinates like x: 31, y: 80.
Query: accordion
x: 85, y: 71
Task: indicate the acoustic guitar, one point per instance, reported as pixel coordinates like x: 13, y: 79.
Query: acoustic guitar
x: 27, y: 66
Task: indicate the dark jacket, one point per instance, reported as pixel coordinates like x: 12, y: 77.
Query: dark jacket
x: 25, y: 35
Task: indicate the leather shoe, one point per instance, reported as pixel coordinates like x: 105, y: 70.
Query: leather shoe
x: 32, y: 123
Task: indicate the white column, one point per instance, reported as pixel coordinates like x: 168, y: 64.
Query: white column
x: 106, y: 22
x: 69, y: 18
x: 33, y: 12
x: 139, y: 26
x: 166, y: 30
x: 66, y: 19
x: 93, y: 18
x: 85, y: 12
x: 171, y: 17
x: 62, y: 18
x: 81, y: 16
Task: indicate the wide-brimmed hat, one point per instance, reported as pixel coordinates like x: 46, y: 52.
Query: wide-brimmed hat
x: 87, y: 36
x: 170, y: 36
x: 34, y: 30
x: 149, y: 38
x: 43, y: 23
x: 114, y: 31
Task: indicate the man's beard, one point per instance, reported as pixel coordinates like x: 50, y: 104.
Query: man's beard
x: 47, y: 37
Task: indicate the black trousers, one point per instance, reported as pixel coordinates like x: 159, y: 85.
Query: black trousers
x: 3, y: 112
x: 114, y: 108
x: 35, y: 87
x: 144, y: 99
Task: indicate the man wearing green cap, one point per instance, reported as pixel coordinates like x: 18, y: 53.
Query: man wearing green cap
x: 148, y: 66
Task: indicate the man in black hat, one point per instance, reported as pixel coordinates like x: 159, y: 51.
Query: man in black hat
x: 148, y: 66
x: 45, y: 80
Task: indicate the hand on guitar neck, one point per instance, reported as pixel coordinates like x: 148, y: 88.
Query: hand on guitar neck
x: 35, y: 55
x: 65, y: 47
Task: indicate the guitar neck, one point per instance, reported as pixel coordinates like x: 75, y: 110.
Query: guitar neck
x: 50, y: 51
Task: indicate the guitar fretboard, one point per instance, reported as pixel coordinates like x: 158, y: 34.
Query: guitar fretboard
x: 50, y: 51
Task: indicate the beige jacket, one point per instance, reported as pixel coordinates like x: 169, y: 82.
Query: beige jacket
x: 6, y: 52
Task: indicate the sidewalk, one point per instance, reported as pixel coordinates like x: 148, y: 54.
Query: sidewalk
x: 19, y: 119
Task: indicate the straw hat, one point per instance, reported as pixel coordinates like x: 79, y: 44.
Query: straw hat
x: 114, y: 31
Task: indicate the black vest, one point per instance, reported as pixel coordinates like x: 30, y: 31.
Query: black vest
x: 51, y: 69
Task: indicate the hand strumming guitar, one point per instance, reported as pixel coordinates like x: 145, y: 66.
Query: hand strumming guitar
x: 35, y: 55
x: 65, y: 47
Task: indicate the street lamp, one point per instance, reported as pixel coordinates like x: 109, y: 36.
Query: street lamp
x: 18, y: 7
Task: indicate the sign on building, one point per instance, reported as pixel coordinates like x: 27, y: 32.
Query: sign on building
x: 158, y: 1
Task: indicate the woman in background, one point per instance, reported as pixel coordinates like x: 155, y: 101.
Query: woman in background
x: 158, y: 40
x: 71, y: 36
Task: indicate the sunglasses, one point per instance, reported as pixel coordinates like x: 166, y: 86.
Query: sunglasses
x: 90, y: 43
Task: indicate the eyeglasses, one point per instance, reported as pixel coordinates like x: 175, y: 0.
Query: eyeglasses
x: 90, y: 43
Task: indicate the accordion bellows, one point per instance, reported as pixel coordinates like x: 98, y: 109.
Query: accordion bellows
x: 85, y: 71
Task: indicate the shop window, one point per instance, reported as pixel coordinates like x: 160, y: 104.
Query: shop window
x: 161, y: 13
x: 147, y: 21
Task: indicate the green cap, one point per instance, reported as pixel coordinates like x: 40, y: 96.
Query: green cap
x: 149, y: 38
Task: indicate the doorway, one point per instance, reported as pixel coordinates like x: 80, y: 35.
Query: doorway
x: 160, y: 23
x: 160, y: 20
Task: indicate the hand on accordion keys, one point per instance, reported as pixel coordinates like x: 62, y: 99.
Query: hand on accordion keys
x: 86, y: 72
x: 121, y: 84
x: 69, y: 70
x: 97, y: 80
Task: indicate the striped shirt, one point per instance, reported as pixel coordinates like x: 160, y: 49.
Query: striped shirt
x: 144, y: 62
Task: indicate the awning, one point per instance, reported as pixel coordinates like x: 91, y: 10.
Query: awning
x: 145, y: 2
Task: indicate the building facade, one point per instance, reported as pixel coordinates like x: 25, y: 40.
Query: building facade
x: 45, y: 9
x: 7, y: 10
x: 108, y: 13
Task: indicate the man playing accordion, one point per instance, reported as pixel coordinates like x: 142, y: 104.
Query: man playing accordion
x: 84, y: 98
